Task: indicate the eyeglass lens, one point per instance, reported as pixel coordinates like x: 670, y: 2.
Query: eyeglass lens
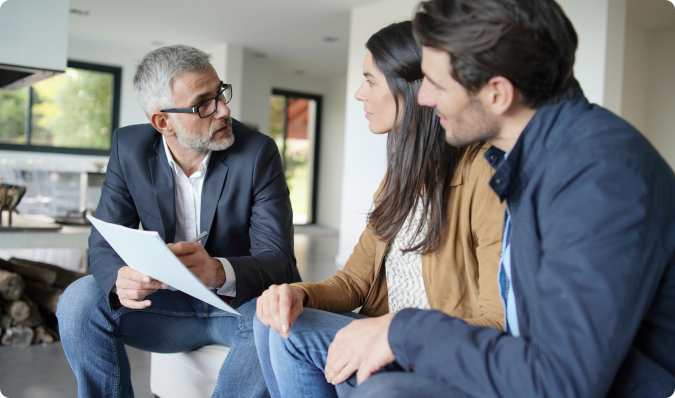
x: 208, y: 108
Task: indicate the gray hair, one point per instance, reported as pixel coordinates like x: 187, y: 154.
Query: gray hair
x: 153, y: 82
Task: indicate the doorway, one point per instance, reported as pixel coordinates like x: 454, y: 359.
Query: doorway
x: 295, y: 120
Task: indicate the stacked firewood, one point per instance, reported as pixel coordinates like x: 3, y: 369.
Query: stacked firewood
x: 29, y: 293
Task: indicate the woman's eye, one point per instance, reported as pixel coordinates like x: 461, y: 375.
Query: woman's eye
x: 370, y: 83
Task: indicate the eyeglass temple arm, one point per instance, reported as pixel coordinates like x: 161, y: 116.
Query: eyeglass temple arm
x: 180, y: 110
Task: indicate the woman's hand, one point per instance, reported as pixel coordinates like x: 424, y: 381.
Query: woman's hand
x: 279, y: 306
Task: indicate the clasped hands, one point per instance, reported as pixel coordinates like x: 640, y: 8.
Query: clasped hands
x: 361, y: 346
x: 133, y: 286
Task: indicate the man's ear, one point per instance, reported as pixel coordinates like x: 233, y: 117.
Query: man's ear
x: 499, y: 95
x: 160, y: 121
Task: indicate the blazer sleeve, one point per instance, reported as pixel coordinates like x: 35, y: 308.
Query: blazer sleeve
x: 487, y: 218
x: 595, y: 280
x: 115, y: 206
x: 272, y: 260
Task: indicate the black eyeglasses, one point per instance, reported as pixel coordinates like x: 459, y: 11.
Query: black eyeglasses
x: 208, y: 107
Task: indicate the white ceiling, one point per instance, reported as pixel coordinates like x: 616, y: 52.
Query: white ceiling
x: 652, y: 15
x: 289, y: 32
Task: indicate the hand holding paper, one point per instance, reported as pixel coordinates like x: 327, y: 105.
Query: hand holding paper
x: 193, y: 255
x: 133, y: 287
x: 146, y: 252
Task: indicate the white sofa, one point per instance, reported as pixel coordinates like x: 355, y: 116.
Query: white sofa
x: 187, y: 374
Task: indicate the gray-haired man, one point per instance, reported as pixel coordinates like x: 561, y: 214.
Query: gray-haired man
x: 192, y: 169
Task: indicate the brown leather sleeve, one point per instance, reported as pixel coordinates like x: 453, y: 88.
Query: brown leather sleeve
x: 487, y: 218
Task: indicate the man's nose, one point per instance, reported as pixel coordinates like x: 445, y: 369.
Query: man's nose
x: 223, y: 111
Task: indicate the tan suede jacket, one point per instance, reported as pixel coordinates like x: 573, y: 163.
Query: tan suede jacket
x: 461, y: 278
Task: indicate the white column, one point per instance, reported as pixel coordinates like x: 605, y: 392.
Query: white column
x: 228, y: 60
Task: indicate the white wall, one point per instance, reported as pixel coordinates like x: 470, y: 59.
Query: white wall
x: 661, y: 111
x: 635, y: 99
x: 364, y: 153
x: 256, y: 91
x: 600, y: 26
x: 331, y: 141
x: 649, y: 82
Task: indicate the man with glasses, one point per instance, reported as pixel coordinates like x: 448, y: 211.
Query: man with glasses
x: 192, y: 169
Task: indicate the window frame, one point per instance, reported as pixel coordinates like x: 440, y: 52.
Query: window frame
x: 117, y: 89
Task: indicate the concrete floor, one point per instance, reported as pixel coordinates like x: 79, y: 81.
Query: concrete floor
x: 43, y: 372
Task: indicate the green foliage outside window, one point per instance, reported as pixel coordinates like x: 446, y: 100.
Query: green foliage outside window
x: 73, y: 110
x: 70, y: 110
x: 13, y: 106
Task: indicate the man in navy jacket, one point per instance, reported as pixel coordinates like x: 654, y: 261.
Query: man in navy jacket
x: 588, y: 261
x: 192, y: 169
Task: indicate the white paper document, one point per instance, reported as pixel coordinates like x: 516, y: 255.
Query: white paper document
x: 146, y: 252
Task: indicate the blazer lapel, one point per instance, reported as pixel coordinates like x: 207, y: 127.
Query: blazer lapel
x: 162, y: 185
x: 212, y: 189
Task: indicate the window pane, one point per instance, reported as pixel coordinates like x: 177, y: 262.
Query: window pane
x: 13, y: 108
x: 73, y: 110
x: 277, y: 107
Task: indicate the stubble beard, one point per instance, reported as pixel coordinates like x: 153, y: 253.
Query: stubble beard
x: 479, y: 127
x: 200, y: 143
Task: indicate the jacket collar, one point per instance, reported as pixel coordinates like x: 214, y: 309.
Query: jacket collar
x: 164, y: 191
x: 542, y: 135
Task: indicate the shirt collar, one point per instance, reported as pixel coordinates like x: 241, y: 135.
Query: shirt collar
x: 174, y: 166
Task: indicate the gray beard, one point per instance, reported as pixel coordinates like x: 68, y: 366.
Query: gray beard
x: 198, y: 143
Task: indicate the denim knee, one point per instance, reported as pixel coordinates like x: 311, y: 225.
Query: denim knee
x: 77, y: 304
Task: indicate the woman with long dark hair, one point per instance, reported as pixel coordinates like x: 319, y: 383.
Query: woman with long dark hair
x: 433, y: 239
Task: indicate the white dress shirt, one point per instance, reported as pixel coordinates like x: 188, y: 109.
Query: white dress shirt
x: 188, y: 197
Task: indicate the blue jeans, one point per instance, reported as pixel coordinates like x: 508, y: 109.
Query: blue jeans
x: 294, y: 367
x: 93, y: 339
x: 404, y: 385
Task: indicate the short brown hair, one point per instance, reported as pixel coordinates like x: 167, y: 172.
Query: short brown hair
x: 530, y: 42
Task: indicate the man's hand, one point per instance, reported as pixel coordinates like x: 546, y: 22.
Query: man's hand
x: 193, y: 255
x: 279, y: 306
x: 350, y: 345
x: 132, y: 287
x: 379, y: 352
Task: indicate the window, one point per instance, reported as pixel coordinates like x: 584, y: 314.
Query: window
x: 73, y: 112
x: 294, y: 124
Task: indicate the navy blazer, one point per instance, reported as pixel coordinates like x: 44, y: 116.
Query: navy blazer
x: 245, y: 206
x: 593, y: 270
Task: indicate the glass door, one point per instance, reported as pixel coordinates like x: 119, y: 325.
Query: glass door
x: 294, y: 126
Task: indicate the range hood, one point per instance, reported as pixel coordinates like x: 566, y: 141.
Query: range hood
x: 33, y: 41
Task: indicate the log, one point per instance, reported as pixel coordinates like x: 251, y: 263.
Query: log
x: 11, y: 285
x: 64, y: 277
x: 46, y: 297
x: 5, y: 321
x: 42, y: 336
x: 34, y: 318
x: 18, y: 337
x: 17, y: 309
x: 30, y: 272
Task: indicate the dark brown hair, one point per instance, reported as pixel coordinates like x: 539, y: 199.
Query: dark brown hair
x: 418, y: 158
x: 529, y: 42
